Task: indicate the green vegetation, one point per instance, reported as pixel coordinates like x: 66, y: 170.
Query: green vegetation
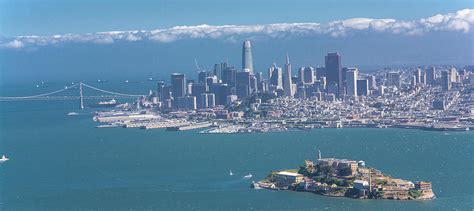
x: 326, y: 170
x: 292, y: 170
x: 414, y: 193
x: 345, y: 171
x: 381, y: 182
x: 307, y: 172
x: 348, y: 183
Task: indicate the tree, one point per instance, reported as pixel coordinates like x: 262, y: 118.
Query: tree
x: 327, y: 170
x: 345, y: 171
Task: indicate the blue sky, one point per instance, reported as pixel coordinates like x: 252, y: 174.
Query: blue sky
x: 49, y: 17
x: 85, y: 39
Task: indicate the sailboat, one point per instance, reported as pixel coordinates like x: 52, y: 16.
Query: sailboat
x: 230, y: 173
x: 3, y: 159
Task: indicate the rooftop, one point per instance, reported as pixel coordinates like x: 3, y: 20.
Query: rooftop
x: 286, y: 173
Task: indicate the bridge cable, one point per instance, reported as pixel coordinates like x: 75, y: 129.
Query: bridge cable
x: 109, y: 92
x: 41, y: 95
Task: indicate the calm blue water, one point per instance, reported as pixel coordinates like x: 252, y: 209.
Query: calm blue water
x: 63, y: 162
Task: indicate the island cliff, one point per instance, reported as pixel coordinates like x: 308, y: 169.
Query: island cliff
x: 349, y: 178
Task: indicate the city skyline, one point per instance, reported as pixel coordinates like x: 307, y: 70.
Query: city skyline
x: 232, y: 105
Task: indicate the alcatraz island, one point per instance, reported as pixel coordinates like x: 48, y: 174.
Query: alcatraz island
x: 345, y: 178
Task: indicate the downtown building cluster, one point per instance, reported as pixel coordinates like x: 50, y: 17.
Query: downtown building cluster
x: 226, y: 84
x: 329, y: 96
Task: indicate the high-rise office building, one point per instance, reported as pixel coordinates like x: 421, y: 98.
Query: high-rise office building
x: 309, y: 75
x: 228, y: 76
x: 431, y: 76
x: 363, y: 87
x: 445, y: 80
x: 202, y: 76
x: 393, y: 79
x: 243, y: 84
x: 333, y: 65
x: 351, y: 78
x: 321, y: 72
x: 288, y: 84
x: 178, y: 85
x: 418, y: 76
x: 300, y: 75
x: 247, y: 62
x: 207, y: 100
x: 219, y: 70
x: 190, y: 102
x: 221, y: 91
x: 253, y: 84
x: 372, y: 82
x: 159, y: 90
x: 453, y: 75
x: 275, y: 74
x: 259, y: 76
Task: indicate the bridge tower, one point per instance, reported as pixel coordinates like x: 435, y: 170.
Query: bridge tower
x: 81, y: 98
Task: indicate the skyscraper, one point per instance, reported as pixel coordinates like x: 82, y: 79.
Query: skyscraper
x: 430, y: 76
x: 243, y: 84
x: 445, y: 80
x: 275, y: 75
x: 362, y: 87
x: 334, y: 69
x: 178, y: 85
x: 300, y: 75
x: 207, y: 100
x: 351, y: 77
x: 247, y: 56
x: 372, y: 82
x: 159, y: 90
x: 418, y: 76
x: 393, y: 79
x: 287, y: 84
x: 308, y: 75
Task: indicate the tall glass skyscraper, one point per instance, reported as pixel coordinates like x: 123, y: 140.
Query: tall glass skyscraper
x: 178, y: 85
x: 334, y: 69
x: 351, y: 77
x: 247, y: 56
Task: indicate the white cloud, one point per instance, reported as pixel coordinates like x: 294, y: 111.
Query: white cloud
x: 460, y: 21
x: 14, y: 44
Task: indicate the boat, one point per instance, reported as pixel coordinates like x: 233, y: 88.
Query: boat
x: 4, y: 159
x: 104, y: 104
x: 247, y: 176
x: 230, y: 173
x: 72, y: 114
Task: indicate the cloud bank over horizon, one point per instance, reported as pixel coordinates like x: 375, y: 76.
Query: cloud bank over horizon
x: 459, y: 22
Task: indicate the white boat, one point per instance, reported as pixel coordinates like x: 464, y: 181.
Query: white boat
x: 230, y: 173
x: 4, y: 159
x: 72, y: 114
x: 247, y: 176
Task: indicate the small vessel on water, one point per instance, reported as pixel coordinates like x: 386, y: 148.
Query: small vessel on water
x: 105, y: 104
x: 247, y: 176
x: 72, y: 114
x: 230, y: 173
x: 4, y: 159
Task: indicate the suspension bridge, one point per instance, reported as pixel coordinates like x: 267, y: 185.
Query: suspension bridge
x: 81, y: 97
